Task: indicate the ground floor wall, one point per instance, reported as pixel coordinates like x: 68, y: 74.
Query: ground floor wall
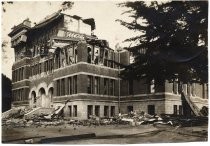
x: 81, y: 106
x: 82, y: 109
x: 161, y: 103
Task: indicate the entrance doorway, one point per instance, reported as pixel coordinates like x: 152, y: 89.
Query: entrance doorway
x: 44, y: 100
x: 50, y: 93
x: 33, y: 99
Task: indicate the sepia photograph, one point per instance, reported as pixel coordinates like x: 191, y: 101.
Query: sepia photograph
x: 104, y: 72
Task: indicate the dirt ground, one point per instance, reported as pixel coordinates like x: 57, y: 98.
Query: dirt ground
x: 109, y: 134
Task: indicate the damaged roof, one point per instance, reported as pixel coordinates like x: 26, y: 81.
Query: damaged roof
x: 50, y: 18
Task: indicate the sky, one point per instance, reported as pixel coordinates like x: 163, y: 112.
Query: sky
x: 104, y: 12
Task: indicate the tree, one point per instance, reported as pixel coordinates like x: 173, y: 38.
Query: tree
x: 67, y: 5
x: 173, y: 41
x: 6, y: 93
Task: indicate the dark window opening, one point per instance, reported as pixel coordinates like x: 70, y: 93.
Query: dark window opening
x: 106, y: 57
x: 130, y: 109
x: 58, y: 87
x: 69, y: 86
x: 112, y: 111
x: 175, y: 109
x: 75, y: 84
x: 62, y: 87
x: 106, y: 87
x: 97, y: 110
x: 180, y: 110
x: 106, y: 111
x: 89, y: 55
x: 151, y: 109
x: 70, y: 111
x: 75, y: 110
x: 96, y: 85
x: 130, y: 87
x: 89, y: 111
x: 89, y: 84
x: 112, y: 82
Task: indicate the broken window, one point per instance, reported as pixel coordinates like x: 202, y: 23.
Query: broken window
x: 63, y: 58
x: 89, y: 58
x: 105, y: 58
x: 152, y: 87
x: 175, y: 87
x: 96, y: 55
x: 75, y: 61
x: 101, y: 56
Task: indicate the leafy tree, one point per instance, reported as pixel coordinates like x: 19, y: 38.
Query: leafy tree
x: 172, y: 43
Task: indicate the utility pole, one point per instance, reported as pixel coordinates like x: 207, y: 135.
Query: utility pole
x: 118, y: 50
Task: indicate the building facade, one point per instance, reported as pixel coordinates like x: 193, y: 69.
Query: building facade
x: 60, y: 60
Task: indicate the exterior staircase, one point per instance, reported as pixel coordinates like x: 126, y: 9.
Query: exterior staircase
x: 192, y: 105
x: 38, y: 111
x: 10, y: 112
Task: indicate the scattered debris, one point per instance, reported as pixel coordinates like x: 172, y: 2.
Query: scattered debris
x: 16, y: 118
x: 29, y: 141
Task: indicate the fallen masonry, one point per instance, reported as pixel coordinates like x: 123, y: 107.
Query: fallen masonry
x: 17, y: 119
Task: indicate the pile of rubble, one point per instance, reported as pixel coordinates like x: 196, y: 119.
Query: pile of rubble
x: 16, y: 118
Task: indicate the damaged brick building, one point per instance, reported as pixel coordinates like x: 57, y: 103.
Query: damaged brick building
x: 60, y: 61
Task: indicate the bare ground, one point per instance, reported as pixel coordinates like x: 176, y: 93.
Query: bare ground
x: 110, y: 134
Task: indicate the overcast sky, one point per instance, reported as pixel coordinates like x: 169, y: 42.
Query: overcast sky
x: 105, y: 13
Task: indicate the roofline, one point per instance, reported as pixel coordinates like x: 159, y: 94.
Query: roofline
x: 18, y: 27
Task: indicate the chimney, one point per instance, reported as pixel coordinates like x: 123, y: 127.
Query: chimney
x: 27, y: 22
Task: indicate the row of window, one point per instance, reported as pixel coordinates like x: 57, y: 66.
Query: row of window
x: 100, y: 56
x: 42, y: 39
x: 189, y: 89
x: 178, y: 110
x: 107, y: 112
x: 93, y: 110
x: 72, y: 111
x: 66, y: 56
x: 66, y: 86
x: 18, y: 95
x: 93, y: 86
x: 150, y: 87
x: 18, y: 74
x: 38, y: 68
